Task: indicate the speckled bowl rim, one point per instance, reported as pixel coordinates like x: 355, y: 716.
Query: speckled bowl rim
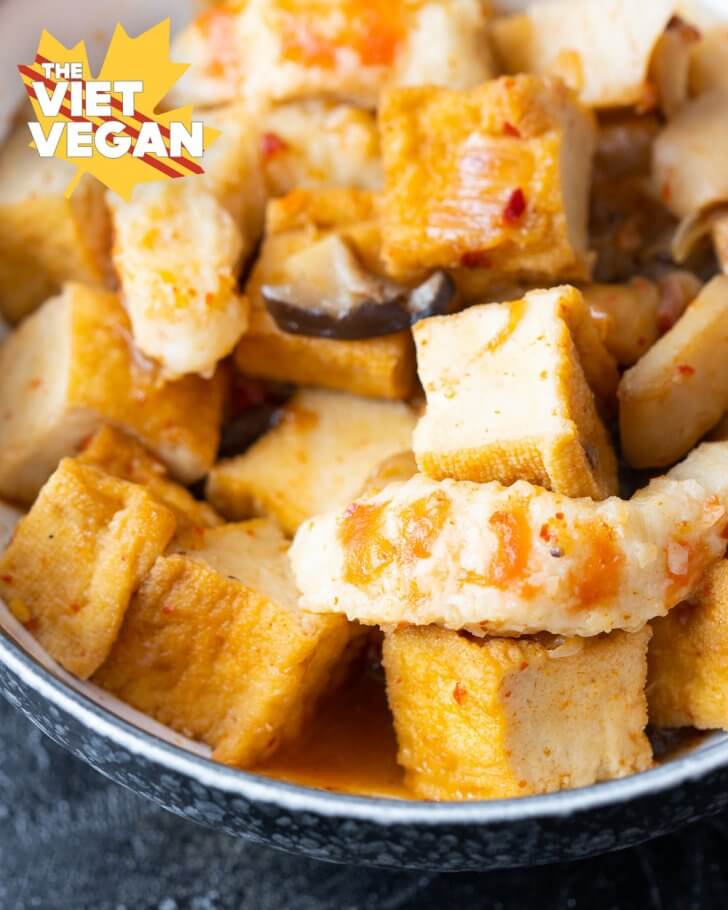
x: 381, y: 810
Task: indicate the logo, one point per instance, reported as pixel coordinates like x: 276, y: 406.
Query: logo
x: 109, y: 126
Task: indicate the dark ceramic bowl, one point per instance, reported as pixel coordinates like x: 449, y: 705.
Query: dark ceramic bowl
x: 349, y: 829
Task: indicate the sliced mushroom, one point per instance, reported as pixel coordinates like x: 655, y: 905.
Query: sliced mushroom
x: 691, y: 171
x: 330, y: 295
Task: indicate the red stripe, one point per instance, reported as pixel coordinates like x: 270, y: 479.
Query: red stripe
x: 147, y: 159
x: 130, y: 130
x: 137, y: 115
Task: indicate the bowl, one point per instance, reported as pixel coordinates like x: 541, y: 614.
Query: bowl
x: 152, y: 760
x: 349, y: 829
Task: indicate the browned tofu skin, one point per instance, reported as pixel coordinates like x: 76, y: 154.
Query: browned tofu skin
x: 72, y: 367
x: 120, y: 455
x: 538, y: 420
x: 315, y: 459
x: 46, y: 239
x: 76, y: 559
x: 679, y: 390
x: 377, y: 367
x: 688, y: 660
x: 497, y: 718
x: 494, y: 177
x: 229, y: 659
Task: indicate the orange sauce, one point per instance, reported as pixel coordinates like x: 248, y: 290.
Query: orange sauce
x: 513, y: 534
x: 218, y: 26
x: 367, y: 551
x: 600, y: 569
x: 372, y: 29
x: 350, y: 747
x: 516, y: 311
x: 422, y: 522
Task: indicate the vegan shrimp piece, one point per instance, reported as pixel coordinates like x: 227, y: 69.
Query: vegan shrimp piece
x: 519, y: 559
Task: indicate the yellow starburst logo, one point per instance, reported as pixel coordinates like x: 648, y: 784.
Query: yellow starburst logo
x: 108, y: 125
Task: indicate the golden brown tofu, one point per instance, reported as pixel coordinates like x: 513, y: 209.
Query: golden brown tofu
x: 176, y: 252
x: 46, y: 239
x: 315, y: 459
x: 679, y: 389
x: 214, y: 645
x: 495, y: 718
x: 688, y: 660
x: 72, y: 366
x: 76, y: 559
x: 603, y: 49
x: 497, y: 177
x: 210, y: 44
x: 395, y: 469
x: 275, y: 50
x: 508, y: 399
x: 376, y: 367
x: 319, y: 143
x: 119, y: 454
x: 627, y: 316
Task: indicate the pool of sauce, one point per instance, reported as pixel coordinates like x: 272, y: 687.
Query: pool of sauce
x: 350, y: 748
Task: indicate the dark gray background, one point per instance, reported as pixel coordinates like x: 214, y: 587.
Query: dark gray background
x: 71, y: 839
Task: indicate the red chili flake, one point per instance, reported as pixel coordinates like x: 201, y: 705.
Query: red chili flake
x: 459, y: 693
x: 8, y: 579
x: 271, y: 145
x: 684, y: 369
x: 511, y: 130
x: 75, y: 606
x: 167, y: 609
x: 546, y: 533
x: 475, y: 259
x: 515, y: 207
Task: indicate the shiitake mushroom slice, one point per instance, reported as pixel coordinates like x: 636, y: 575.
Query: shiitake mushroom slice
x: 331, y: 295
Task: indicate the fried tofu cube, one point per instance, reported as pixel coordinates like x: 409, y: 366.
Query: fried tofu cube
x: 71, y: 367
x: 234, y: 170
x: 119, y: 454
x: 275, y: 50
x: 211, y: 46
x: 628, y: 315
x: 497, y: 176
x: 508, y: 398
x: 176, y: 251
x: 76, y: 559
x: 319, y: 143
x: 46, y: 239
x: 495, y: 718
x: 679, y: 389
x: 603, y: 49
x: 688, y: 660
x: 381, y: 367
x: 215, y: 646
x: 315, y: 459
